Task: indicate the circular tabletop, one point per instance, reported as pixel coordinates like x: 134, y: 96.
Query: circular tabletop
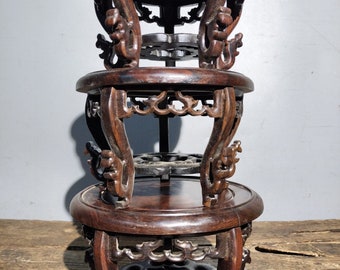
x: 148, y: 78
x: 167, y: 208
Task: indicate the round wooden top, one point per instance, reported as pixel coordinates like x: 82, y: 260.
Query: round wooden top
x: 167, y: 208
x: 148, y: 78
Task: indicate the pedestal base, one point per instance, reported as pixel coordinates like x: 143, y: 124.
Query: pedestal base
x: 165, y: 213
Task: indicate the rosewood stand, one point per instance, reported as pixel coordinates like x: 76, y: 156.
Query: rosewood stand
x: 165, y: 197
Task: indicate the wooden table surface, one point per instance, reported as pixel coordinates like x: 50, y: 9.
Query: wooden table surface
x: 26, y: 244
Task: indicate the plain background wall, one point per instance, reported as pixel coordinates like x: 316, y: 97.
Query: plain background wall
x: 290, y: 129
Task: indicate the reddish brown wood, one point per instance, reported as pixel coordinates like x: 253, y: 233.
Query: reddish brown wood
x: 101, y: 252
x: 175, y: 195
x: 120, y: 179
x: 167, y: 208
x: 233, y: 260
x: 152, y: 78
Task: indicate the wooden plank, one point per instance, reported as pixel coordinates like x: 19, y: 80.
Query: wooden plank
x: 295, y: 245
x: 40, y: 245
x: 303, y: 245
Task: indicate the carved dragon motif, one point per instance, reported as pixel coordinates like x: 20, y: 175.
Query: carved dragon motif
x: 219, y: 159
x: 114, y: 166
x: 122, y: 24
x: 217, y: 22
x: 225, y: 166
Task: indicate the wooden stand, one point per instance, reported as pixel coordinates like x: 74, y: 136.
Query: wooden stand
x: 166, y: 197
x: 168, y: 212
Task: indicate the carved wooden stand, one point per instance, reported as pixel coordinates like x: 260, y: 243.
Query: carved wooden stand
x: 165, y: 196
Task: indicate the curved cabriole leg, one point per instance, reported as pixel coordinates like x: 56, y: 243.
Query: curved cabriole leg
x: 219, y: 159
x: 233, y: 259
x: 120, y: 174
x: 102, y: 251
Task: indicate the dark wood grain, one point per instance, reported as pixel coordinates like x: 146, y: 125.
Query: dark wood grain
x: 168, y: 208
x: 148, y: 78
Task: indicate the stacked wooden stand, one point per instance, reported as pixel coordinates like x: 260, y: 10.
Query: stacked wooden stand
x: 166, y: 197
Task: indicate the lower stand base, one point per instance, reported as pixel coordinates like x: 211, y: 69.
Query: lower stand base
x: 163, y: 220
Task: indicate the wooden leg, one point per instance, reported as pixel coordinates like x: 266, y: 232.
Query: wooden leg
x: 233, y: 259
x: 101, y: 252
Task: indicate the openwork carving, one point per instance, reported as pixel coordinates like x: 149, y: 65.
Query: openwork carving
x: 167, y: 163
x: 122, y: 24
x: 176, y: 251
x: 180, y: 250
x: 151, y: 105
x: 147, y: 250
x: 162, y: 47
x: 189, y: 105
x: 154, y: 104
x: 162, y: 213
x: 217, y: 22
x: 116, y: 166
x: 169, y: 13
x: 213, y: 48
